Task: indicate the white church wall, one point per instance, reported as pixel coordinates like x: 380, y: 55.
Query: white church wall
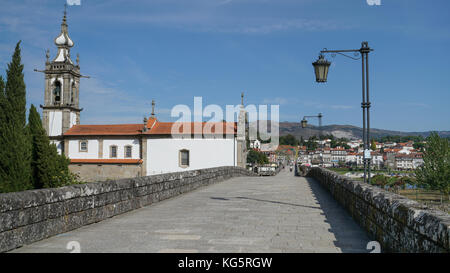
x: 73, y: 119
x: 121, y: 143
x: 55, y: 123
x: 74, y: 150
x: 163, y: 154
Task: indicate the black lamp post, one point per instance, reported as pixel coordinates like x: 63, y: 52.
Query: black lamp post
x: 304, y: 122
x: 321, y: 71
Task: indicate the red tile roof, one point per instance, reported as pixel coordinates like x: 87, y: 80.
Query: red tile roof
x: 154, y: 128
x: 98, y: 130
x: 106, y: 161
x: 165, y: 128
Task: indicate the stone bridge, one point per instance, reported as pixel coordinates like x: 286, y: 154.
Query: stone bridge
x: 281, y: 213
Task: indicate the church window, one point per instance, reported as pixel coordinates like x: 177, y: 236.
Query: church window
x: 57, y: 93
x: 184, y: 158
x: 128, y: 151
x: 72, y: 92
x: 113, y: 151
x: 83, y: 144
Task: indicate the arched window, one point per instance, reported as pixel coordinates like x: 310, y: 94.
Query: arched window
x: 72, y: 92
x: 57, y: 92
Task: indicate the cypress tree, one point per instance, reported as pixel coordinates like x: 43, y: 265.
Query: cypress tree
x: 49, y: 169
x: 40, y: 163
x: 3, y: 183
x: 15, y: 145
x: 15, y: 89
x: 2, y: 102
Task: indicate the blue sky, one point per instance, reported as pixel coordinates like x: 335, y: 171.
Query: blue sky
x: 173, y: 50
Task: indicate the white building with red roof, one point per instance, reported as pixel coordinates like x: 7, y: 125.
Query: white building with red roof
x: 102, y: 152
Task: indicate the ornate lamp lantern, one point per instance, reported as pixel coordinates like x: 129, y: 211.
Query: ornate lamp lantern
x: 304, y: 122
x: 321, y: 69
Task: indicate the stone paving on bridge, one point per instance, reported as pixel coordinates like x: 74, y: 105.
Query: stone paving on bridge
x: 283, y: 213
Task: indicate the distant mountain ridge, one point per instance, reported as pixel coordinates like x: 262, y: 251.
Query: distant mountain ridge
x: 347, y: 131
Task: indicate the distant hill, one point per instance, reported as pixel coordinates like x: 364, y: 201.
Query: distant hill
x: 347, y: 131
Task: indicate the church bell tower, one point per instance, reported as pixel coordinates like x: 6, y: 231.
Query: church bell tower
x: 62, y: 87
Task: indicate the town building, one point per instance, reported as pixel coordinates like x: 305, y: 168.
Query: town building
x: 350, y: 158
x: 338, y: 156
x: 375, y: 162
x: 408, y: 161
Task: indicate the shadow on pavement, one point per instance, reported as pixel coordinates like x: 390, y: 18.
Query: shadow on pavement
x: 350, y: 237
x: 276, y: 202
x: 262, y: 200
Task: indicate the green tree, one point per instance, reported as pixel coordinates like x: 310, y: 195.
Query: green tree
x: 302, y: 141
x: 289, y: 140
x: 312, y: 145
x: 256, y: 157
x: 15, y: 152
x: 49, y: 169
x: 435, y: 172
x: 373, y: 145
x: 2, y: 100
x: 379, y: 180
x: 419, y: 146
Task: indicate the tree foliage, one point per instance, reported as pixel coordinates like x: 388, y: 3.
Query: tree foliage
x: 15, y: 152
x: 256, y: 157
x: 48, y: 167
x: 373, y: 145
x: 398, y: 139
x: 435, y: 172
x: 27, y: 159
x: 289, y: 140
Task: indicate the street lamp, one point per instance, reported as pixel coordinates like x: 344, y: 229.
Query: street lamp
x: 319, y: 116
x: 321, y: 68
x: 304, y: 121
x: 321, y: 71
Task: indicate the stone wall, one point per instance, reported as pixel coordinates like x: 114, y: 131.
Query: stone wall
x: 397, y: 223
x: 29, y: 216
x: 103, y: 172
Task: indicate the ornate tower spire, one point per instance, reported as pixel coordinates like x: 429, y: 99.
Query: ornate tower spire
x: 61, y: 108
x: 63, y: 42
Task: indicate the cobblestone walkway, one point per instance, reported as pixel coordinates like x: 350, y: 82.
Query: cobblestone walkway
x: 283, y: 213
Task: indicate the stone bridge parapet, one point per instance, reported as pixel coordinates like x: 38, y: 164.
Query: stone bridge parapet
x: 396, y: 222
x: 30, y: 216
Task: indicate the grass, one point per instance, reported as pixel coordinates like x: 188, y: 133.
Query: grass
x: 339, y: 170
x: 422, y: 195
